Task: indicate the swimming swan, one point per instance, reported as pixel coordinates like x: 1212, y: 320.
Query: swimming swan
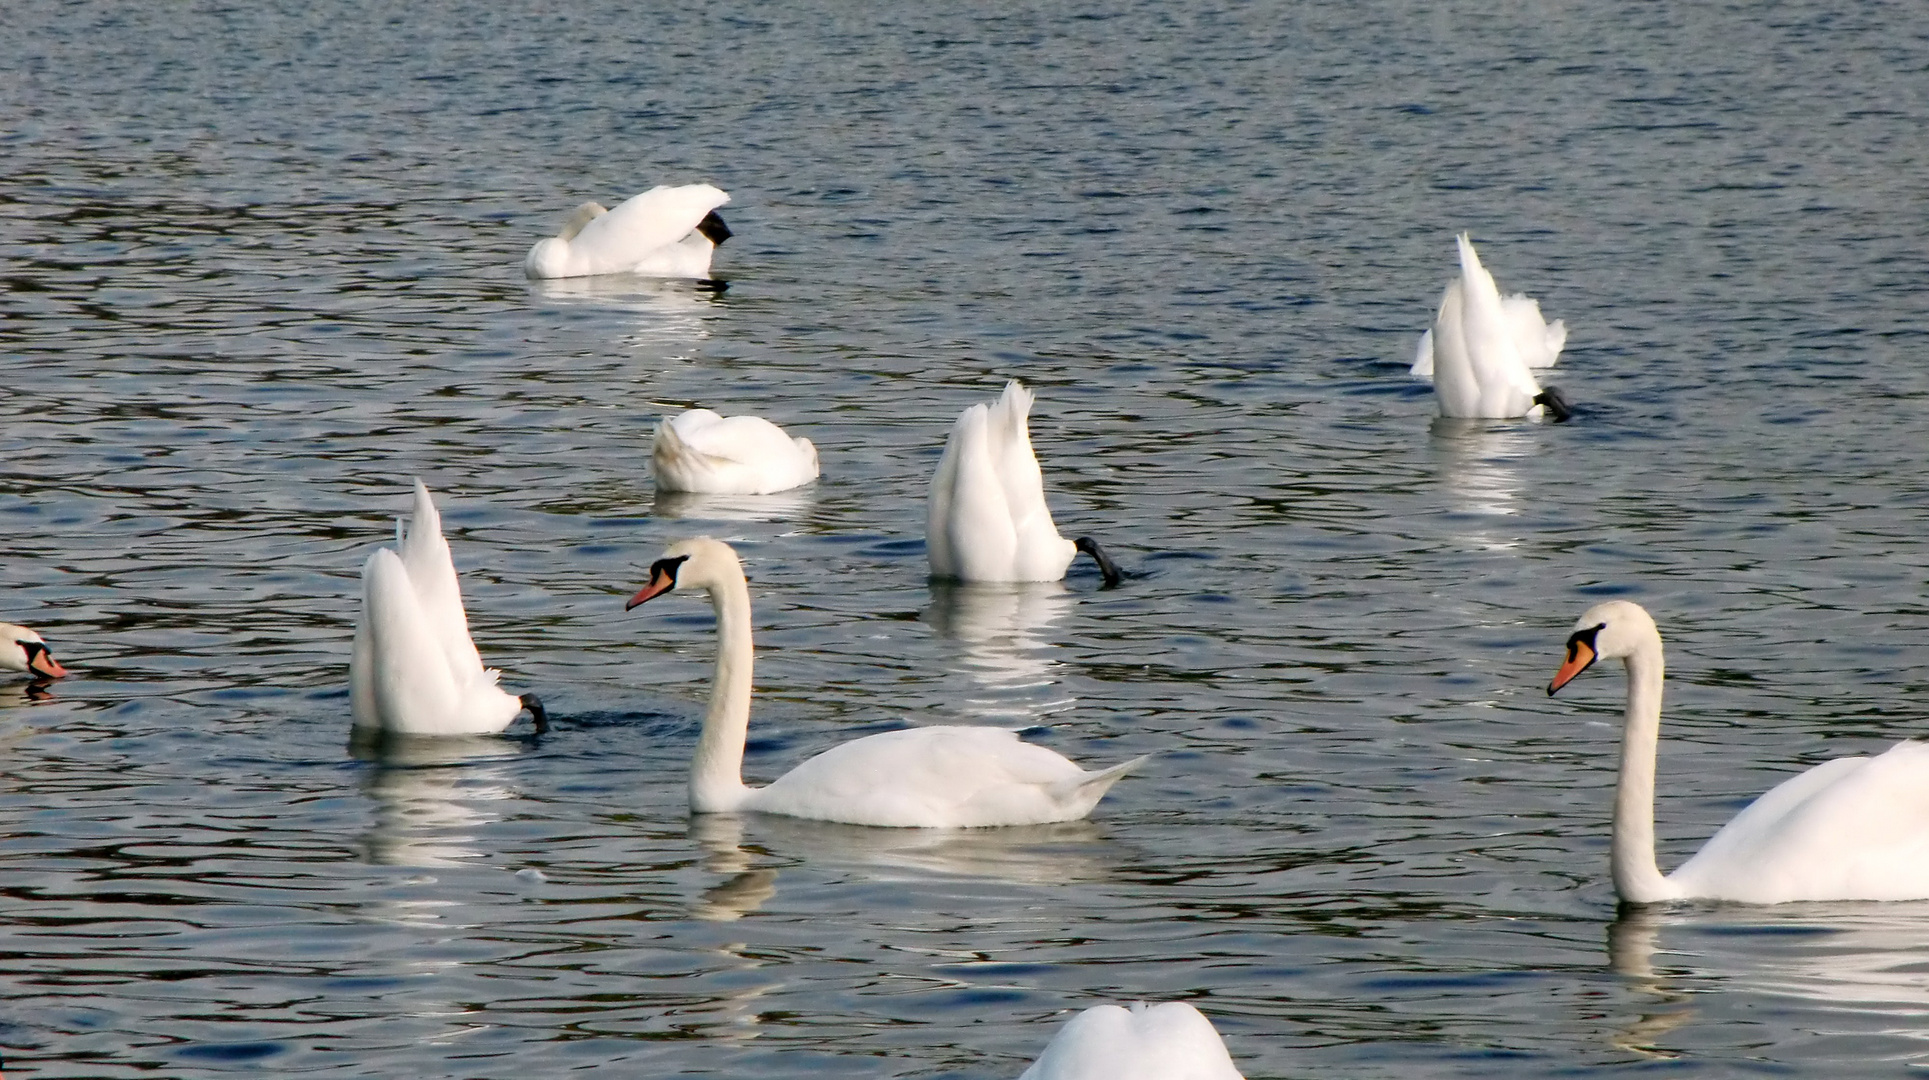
x: 987, y: 519
x: 22, y: 650
x: 737, y: 455
x: 1853, y: 828
x: 1483, y: 349
x: 923, y: 777
x: 1173, y: 1041
x: 414, y: 670
x: 664, y: 232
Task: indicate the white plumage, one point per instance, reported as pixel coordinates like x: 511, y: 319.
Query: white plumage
x: 1853, y: 828
x: 664, y: 232
x: 924, y: 777
x: 415, y: 671
x: 1173, y: 1041
x: 1483, y: 349
x: 701, y: 451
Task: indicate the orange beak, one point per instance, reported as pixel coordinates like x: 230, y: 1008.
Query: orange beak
x: 660, y: 583
x: 44, y: 664
x: 1580, y: 655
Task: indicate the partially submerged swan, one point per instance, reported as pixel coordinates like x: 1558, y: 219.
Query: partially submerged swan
x: 703, y: 452
x: 23, y: 650
x: 664, y: 232
x: 987, y: 519
x: 1173, y: 1041
x: 1483, y: 349
x: 1854, y: 828
x: 922, y: 777
x: 415, y: 671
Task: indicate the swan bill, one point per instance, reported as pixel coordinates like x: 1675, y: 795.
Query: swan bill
x: 41, y: 662
x: 662, y: 580
x: 1581, y: 655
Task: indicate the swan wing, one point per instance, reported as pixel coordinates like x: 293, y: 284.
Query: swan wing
x: 937, y: 777
x: 969, y: 517
x: 399, y: 662
x: 1507, y: 388
x: 1039, y: 553
x: 1539, y: 342
x: 1455, y: 384
x: 1852, y: 828
x: 431, y: 571
x: 641, y: 224
x: 1423, y: 357
x: 1173, y: 1041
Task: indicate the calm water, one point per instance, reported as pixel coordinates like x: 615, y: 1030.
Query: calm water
x: 262, y: 267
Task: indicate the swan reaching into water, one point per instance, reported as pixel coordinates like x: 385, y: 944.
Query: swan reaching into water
x: 22, y: 650
x: 734, y: 455
x: 1483, y: 349
x: 664, y: 232
x: 1173, y: 1041
x: 987, y: 519
x: 1854, y: 828
x: 923, y: 777
x: 415, y: 671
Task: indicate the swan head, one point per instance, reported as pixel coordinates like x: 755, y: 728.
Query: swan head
x: 698, y: 563
x: 1612, y: 631
x: 22, y: 650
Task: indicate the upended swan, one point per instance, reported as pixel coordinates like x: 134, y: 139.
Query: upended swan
x: 703, y: 452
x: 923, y: 777
x: 23, y: 650
x: 1173, y: 1041
x: 987, y: 519
x: 415, y: 671
x: 1483, y: 349
x: 1854, y: 828
x: 664, y: 232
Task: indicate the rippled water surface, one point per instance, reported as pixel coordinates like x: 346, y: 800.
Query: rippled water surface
x: 261, y: 268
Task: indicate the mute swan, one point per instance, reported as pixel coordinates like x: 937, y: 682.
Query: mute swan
x: 1173, y: 1041
x: 924, y: 777
x: 1849, y: 829
x: 664, y: 232
x: 22, y: 650
x: 1483, y: 347
x: 737, y: 455
x: 987, y: 519
x: 415, y: 671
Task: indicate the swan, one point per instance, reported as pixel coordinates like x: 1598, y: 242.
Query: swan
x: 1854, y: 828
x: 414, y: 670
x: 923, y: 777
x: 1483, y: 349
x: 1173, y: 1041
x: 987, y: 519
x: 22, y: 650
x: 664, y: 232
x: 703, y: 452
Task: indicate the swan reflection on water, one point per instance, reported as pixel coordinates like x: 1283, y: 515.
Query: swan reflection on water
x: 700, y: 506
x: 432, y: 796
x: 1863, y: 958
x: 1478, y: 468
x: 1004, y: 653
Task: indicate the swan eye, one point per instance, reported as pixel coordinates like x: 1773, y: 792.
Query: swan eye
x: 1584, y: 637
x: 667, y: 568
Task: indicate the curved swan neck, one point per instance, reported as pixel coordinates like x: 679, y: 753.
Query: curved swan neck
x: 716, y: 770
x: 1636, y: 878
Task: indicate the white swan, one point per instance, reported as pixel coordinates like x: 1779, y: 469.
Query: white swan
x: 1173, y: 1041
x: 664, y: 232
x: 735, y: 455
x: 925, y: 777
x: 22, y: 650
x: 987, y: 519
x: 414, y: 670
x: 1483, y: 349
x: 1849, y: 829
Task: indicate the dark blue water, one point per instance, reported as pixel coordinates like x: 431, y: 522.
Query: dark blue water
x: 262, y: 267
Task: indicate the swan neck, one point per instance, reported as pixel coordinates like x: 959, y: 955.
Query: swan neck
x: 716, y: 771
x: 1636, y: 877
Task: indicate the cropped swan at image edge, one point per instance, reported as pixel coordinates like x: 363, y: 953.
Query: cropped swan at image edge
x: 700, y: 451
x: 1854, y: 828
x: 987, y: 520
x: 1173, y: 1041
x: 921, y: 777
x: 22, y: 649
x: 668, y: 232
x: 415, y: 670
x: 1484, y: 348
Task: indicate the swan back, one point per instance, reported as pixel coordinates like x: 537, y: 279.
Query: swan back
x: 701, y: 451
x: 654, y: 233
x: 1173, y: 1041
x: 987, y: 519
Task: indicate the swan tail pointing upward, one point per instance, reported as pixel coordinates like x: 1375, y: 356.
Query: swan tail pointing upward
x: 1089, y: 789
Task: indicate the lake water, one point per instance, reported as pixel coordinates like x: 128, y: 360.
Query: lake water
x: 262, y: 268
